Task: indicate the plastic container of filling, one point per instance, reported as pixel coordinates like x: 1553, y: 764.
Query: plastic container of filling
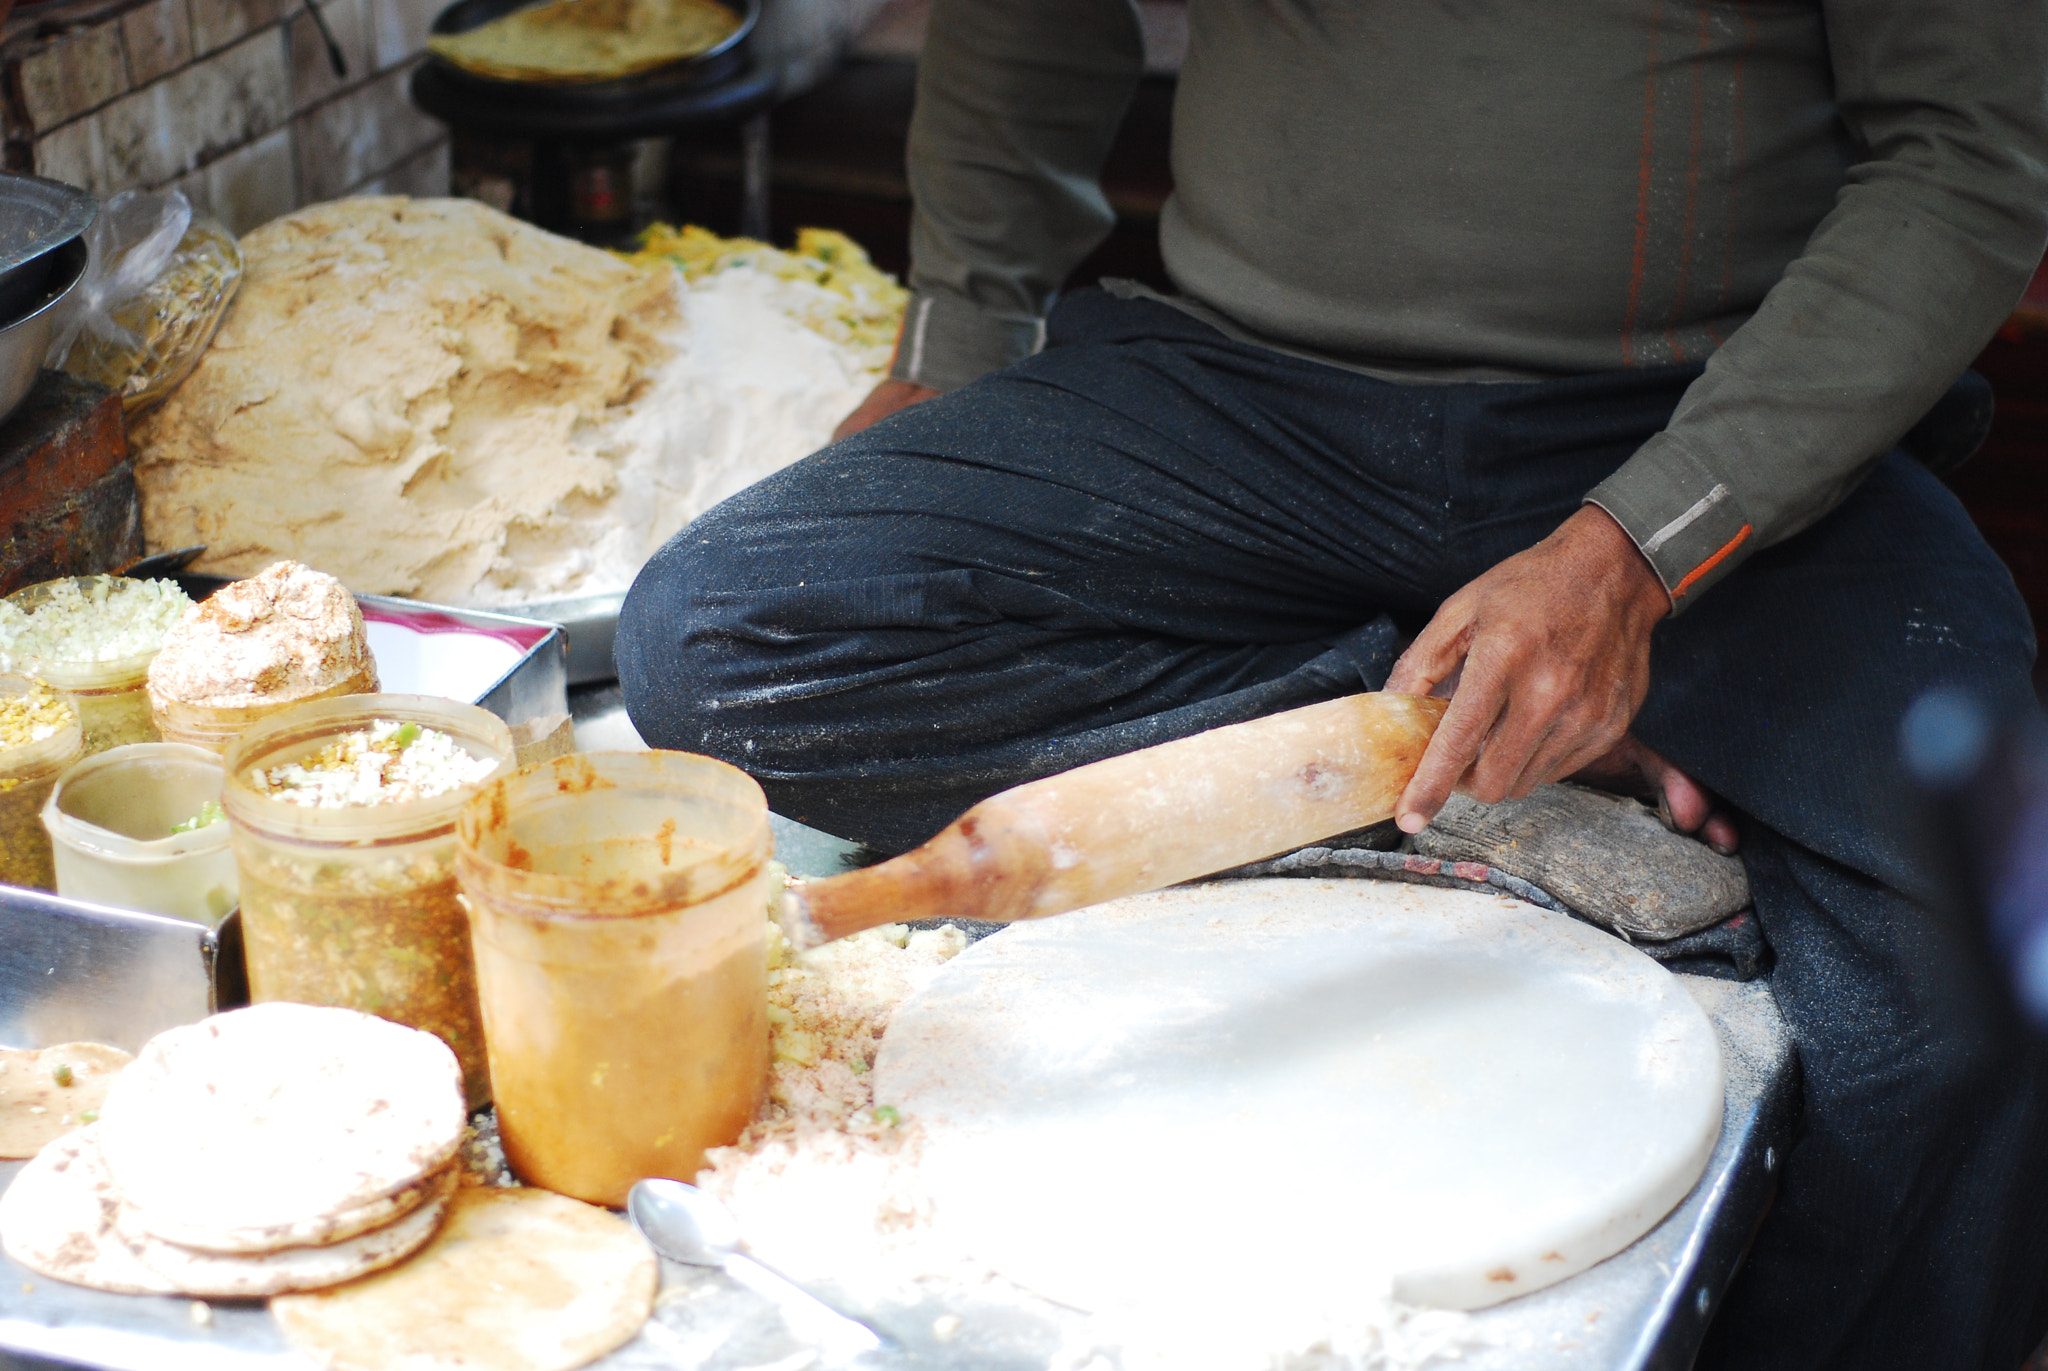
x: 356, y: 906
x: 214, y: 728
x: 113, y: 704
x: 28, y: 771
x: 110, y: 820
x: 618, y: 902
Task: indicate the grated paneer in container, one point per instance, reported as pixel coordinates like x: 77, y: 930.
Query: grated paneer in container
x: 110, y: 620
x: 389, y: 762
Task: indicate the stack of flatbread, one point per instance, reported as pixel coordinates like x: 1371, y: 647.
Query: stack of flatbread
x: 281, y: 1147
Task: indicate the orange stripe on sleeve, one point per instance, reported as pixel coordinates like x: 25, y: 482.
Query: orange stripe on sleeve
x: 1704, y: 567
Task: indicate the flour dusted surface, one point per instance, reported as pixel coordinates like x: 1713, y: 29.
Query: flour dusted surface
x: 826, y: 1169
x: 429, y: 398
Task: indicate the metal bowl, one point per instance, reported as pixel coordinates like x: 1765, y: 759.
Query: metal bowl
x: 24, y: 341
x: 36, y: 216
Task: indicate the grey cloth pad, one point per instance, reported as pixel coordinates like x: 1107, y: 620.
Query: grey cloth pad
x: 1604, y: 856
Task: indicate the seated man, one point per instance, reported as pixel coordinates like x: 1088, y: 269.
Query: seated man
x: 1549, y: 356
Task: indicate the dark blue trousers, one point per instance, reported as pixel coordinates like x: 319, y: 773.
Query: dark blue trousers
x: 1149, y: 529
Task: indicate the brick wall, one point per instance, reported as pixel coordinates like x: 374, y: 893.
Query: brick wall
x: 231, y: 101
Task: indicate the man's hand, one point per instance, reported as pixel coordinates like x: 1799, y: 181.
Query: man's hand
x: 883, y: 401
x: 1546, y: 659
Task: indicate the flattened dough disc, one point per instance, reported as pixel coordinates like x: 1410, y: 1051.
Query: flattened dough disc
x: 1321, y: 1084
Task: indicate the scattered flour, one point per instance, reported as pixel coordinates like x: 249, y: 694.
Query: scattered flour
x: 825, y: 1169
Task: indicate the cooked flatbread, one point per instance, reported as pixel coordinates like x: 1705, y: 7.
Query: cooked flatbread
x: 277, y: 1116
x: 137, y: 1226
x: 215, y: 1276
x: 587, y: 40
x: 517, y: 1280
x: 35, y: 1108
x: 57, y: 1219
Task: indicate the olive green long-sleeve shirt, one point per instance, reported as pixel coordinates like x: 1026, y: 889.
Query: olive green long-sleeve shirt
x: 1833, y: 203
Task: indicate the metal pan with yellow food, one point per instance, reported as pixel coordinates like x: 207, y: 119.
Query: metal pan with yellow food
x: 590, y: 53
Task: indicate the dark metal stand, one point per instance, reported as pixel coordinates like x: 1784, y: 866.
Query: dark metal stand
x: 560, y: 160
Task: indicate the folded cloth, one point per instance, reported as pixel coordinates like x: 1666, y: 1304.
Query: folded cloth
x: 1730, y: 950
x: 1605, y: 856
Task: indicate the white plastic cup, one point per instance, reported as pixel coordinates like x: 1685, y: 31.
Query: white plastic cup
x: 110, y: 819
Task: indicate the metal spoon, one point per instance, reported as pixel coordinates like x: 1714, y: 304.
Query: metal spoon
x: 684, y: 1224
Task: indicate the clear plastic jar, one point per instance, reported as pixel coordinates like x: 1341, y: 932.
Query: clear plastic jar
x: 110, y: 820
x: 357, y: 906
x: 214, y: 728
x: 113, y: 706
x: 28, y: 771
x: 618, y: 902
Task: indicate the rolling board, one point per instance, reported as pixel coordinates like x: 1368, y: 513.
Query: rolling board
x: 1352, y: 1085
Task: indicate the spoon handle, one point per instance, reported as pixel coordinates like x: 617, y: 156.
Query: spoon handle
x: 830, y: 1324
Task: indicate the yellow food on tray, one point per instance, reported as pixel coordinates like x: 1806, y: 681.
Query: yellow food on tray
x: 587, y: 40
x: 868, y: 310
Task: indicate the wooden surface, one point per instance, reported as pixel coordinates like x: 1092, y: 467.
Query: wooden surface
x: 68, y: 505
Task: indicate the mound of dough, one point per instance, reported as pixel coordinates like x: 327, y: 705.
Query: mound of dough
x: 277, y: 1116
x: 517, y: 1280
x: 37, y: 1106
x: 401, y: 395
x: 57, y: 1220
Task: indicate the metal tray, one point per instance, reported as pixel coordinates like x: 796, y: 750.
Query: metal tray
x: 1645, y: 1309
x: 592, y: 623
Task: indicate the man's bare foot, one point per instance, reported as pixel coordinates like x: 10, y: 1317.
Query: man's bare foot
x: 1629, y: 768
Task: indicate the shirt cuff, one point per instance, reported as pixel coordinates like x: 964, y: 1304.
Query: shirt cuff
x: 948, y: 340
x: 1687, y: 519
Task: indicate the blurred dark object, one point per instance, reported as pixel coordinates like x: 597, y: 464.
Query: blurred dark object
x: 335, y: 61
x: 2005, y: 486
x: 159, y: 564
x: 1984, y: 777
x: 68, y: 505
x: 1951, y: 433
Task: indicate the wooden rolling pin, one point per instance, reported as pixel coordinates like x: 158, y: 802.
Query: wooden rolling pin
x: 1141, y: 821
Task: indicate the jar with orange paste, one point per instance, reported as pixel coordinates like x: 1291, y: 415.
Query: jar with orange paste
x: 616, y: 902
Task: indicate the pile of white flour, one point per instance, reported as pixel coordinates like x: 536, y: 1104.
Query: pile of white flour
x: 748, y: 390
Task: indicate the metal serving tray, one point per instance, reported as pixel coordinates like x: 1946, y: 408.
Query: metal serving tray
x: 531, y: 685
x: 592, y: 623
x: 1645, y: 1309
